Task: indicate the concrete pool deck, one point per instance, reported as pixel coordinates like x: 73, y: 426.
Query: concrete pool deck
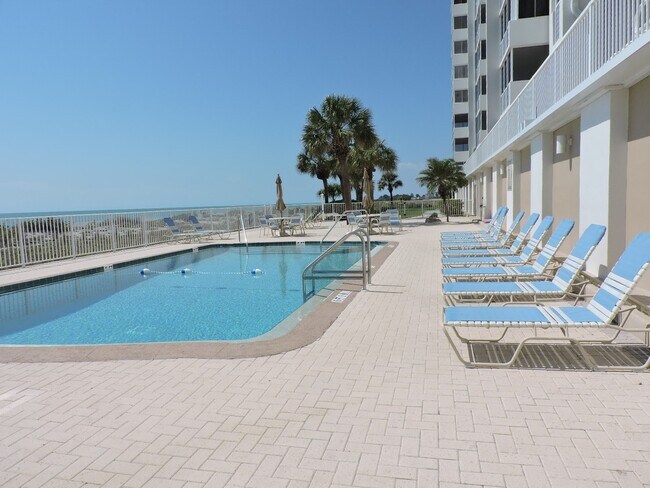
x: 379, y: 400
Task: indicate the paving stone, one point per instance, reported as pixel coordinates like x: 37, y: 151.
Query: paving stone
x: 380, y: 400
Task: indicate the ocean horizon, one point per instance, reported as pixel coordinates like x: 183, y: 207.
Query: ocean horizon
x: 61, y: 213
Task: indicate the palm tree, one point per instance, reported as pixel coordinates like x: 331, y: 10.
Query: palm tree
x: 318, y: 167
x: 389, y: 181
x: 443, y: 175
x: 340, y: 125
x: 333, y: 191
x: 376, y: 157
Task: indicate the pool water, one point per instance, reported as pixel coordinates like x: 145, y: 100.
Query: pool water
x: 220, y: 299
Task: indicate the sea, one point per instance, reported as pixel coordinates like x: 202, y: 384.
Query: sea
x: 127, y: 210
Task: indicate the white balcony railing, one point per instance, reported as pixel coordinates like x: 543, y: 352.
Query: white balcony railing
x: 504, y: 44
x: 505, y: 99
x: 603, y: 30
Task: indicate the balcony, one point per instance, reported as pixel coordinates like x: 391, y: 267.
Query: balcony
x: 603, y: 31
x: 513, y: 89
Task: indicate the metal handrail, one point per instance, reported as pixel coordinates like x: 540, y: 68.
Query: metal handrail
x: 243, y: 228
x: 366, y: 268
x: 336, y: 221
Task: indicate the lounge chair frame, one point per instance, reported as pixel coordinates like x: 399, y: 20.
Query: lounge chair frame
x: 622, y: 317
x: 608, y: 310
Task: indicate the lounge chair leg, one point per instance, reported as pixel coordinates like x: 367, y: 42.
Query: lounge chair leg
x: 585, y: 355
x: 466, y: 340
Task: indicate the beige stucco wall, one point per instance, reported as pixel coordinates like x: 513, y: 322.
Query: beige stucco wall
x: 638, y: 166
x: 524, y: 181
x: 503, y: 185
x: 566, y: 182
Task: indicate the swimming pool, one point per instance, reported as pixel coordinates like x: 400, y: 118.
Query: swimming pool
x: 217, y: 299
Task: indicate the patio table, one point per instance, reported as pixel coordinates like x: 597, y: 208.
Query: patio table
x: 280, y: 221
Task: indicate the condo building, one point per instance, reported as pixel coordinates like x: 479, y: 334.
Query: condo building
x: 551, y: 113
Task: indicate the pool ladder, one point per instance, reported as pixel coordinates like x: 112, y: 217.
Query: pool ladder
x: 310, y: 274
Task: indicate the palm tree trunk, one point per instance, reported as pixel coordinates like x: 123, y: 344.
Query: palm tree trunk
x: 346, y: 188
x: 390, y: 192
x: 444, y: 204
x: 325, y: 190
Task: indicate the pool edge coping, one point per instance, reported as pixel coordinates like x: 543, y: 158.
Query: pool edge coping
x: 306, y: 331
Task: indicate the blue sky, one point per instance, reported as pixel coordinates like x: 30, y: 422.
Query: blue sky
x: 160, y: 103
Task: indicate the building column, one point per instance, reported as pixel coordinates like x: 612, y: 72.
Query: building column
x: 474, y: 197
x: 513, y: 168
x: 603, y: 174
x: 485, y: 193
x: 496, y: 188
x: 541, y: 174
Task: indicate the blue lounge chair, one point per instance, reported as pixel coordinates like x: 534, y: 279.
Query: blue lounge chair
x: 529, y: 271
x: 560, y: 287
x: 502, y: 241
x: 198, y: 228
x: 503, y: 257
x: 601, y: 312
x: 494, y: 226
x: 514, y: 249
x: 492, y: 231
x: 178, y: 235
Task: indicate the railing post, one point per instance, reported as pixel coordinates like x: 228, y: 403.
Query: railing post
x: 145, y: 237
x: 73, y: 238
x: 364, y: 264
x: 239, y: 226
x: 113, y: 233
x: 368, y: 254
x: 21, y: 244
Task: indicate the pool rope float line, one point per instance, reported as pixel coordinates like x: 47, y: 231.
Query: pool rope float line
x: 187, y: 271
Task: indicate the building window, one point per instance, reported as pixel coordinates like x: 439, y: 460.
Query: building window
x: 483, y: 85
x: 459, y: 2
x: 461, y: 120
x: 460, y: 47
x: 483, y: 50
x: 482, y: 13
x: 504, y: 18
x: 460, y: 22
x: 460, y: 96
x: 460, y: 71
x: 483, y: 120
x: 461, y: 144
x: 533, y: 8
x: 505, y: 73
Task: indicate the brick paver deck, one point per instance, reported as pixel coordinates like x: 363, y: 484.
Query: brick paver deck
x: 379, y: 401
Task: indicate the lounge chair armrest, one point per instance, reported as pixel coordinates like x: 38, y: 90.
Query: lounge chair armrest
x: 581, y: 283
x: 628, y: 309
